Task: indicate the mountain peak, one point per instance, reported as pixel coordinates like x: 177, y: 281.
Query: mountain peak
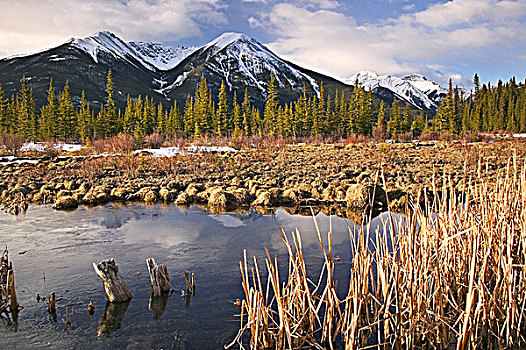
x: 226, y: 39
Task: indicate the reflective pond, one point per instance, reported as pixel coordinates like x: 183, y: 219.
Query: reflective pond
x: 54, y: 251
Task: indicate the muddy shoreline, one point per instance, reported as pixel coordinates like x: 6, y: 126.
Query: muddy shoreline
x: 343, y: 177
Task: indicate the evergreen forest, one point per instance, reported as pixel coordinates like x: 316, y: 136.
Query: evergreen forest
x: 487, y: 109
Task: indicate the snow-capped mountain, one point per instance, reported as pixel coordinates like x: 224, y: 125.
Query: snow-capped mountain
x: 153, y: 56
x: 162, y: 72
x: 242, y: 62
x: 415, y: 89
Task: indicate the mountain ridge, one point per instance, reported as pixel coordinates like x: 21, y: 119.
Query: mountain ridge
x: 169, y: 73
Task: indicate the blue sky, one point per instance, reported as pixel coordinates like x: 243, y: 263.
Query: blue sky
x: 439, y: 39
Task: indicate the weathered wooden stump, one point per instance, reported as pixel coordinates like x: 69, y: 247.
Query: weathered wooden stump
x: 189, y: 288
x: 8, y: 298
x: 114, y: 286
x: 159, y: 278
x: 51, y: 303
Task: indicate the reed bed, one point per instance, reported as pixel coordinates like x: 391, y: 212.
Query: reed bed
x: 449, y: 274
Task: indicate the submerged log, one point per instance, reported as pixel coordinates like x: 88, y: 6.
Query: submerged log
x: 158, y: 277
x: 114, y: 286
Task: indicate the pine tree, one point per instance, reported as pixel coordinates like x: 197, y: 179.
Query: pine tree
x: 23, y: 111
x: 83, y: 119
x: 111, y: 125
x: 48, y: 115
x: 246, y: 110
x: 393, y: 125
x: 222, y: 111
x: 417, y: 126
x: 381, y: 116
x: 271, y: 106
x: 407, y: 121
x: 237, y: 117
x: 189, y: 116
x: 66, y: 115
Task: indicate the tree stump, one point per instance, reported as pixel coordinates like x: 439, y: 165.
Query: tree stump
x: 158, y: 277
x: 114, y: 286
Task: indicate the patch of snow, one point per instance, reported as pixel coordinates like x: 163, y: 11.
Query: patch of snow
x: 69, y: 147
x: 161, y: 56
x: 20, y: 161
x: 210, y: 149
x: 519, y: 136
x: 173, y: 151
x: 41, y: 147
x: 161, y: 152
x: 33, y: 146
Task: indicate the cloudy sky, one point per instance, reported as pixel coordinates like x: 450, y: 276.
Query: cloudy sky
x: 440, y: 39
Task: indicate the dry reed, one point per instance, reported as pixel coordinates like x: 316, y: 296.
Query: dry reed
x: 449, y: 274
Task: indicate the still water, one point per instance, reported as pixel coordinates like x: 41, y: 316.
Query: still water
x: 54, y: 251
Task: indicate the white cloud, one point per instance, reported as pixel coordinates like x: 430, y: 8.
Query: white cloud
x: 470, y: 11
x: 336, y: 44
x: 27, y: 24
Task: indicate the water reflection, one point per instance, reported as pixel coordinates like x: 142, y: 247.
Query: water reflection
x: 112, y: 318
x: 158, y: 305
x: 63, y: 245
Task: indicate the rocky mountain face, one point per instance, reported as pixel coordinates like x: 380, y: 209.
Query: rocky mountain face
x: 168, y: 73
x: 414, y: 89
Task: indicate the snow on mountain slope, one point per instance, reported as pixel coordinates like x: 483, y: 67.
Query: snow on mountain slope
x: 109, y: 43
x: 161, y: 56
x: 232, y: 52
x: 414, y: 89
x: 434, y: 91
x: 149, y: 54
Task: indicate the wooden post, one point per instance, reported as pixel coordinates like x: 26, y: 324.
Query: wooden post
x: 158, y: 277
x: 193, y: 284
x: 188, y: 283
x: 114, y: 286
x: 51, y: 303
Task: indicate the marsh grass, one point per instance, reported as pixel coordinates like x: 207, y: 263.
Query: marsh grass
x: 449, y: 274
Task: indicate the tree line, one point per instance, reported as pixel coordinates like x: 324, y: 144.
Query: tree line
x: 487, y: 109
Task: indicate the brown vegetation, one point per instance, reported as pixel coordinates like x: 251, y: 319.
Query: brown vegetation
x: 450, y: 274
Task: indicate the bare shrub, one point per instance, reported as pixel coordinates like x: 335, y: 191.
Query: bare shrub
x: 12, y: 143
x: 406, y: 136
x: 154, y: 140
x: 379, y: 133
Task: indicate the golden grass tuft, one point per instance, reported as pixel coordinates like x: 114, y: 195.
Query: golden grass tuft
x: 449, y: 274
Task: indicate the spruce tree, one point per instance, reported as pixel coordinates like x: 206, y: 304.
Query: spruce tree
x: 222, y: 111
x: 111, y: 126
x: 48, y: 115
x: 246, y: 110
x: 66, y: 114
x: 271, y: 106
x: 84, y: 125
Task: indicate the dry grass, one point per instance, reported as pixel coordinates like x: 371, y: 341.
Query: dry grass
x: 450, y: 274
